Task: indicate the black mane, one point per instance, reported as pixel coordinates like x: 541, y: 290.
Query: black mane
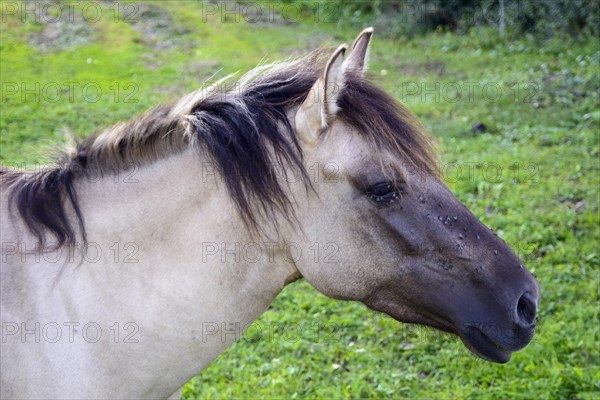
x: 244, y: 129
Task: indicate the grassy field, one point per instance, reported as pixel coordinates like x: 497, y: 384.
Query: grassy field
x: 532, y: 174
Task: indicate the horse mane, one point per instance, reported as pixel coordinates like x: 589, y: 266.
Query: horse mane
x: 242, y: 126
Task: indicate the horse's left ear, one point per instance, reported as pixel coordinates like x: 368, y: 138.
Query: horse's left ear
x: 320, y: 107
x: 357, y: 60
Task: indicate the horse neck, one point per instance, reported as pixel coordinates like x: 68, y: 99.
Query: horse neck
x: 178, y: 210
x: 190, y: 266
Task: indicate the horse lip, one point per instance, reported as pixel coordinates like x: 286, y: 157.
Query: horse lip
x: 483, y: 346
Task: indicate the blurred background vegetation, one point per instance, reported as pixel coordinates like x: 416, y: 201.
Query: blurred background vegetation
x: 539, y: 18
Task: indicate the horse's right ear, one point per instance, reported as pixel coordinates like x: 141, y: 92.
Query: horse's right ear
x: 320, y: 107
x: 357, y: 60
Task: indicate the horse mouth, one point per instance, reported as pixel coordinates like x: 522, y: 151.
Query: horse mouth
x: 481, y: 344
x: 473, y: 338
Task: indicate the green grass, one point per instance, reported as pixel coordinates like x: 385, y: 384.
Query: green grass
x: 543, y: 202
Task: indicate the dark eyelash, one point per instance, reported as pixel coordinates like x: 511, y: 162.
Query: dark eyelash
x: 384, y: 193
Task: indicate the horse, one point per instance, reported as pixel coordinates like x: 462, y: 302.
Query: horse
x: 128, y: 263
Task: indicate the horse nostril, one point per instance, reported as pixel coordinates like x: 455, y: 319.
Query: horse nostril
x: 526, y: 308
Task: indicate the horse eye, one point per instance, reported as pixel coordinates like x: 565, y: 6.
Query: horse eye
x: 384, y: 193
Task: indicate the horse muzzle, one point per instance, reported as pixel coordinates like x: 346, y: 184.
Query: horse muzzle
x: 497, y: 342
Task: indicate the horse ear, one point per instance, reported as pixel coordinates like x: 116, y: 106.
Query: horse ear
x: 357, y: 60
x: 320, y: 107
